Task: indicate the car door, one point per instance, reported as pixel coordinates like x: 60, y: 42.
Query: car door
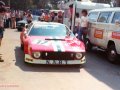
x: 92, y: 18
x: 101, y: 29
x: 115, y: 30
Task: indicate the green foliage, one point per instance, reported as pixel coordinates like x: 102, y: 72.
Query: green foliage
x: 26, y: 4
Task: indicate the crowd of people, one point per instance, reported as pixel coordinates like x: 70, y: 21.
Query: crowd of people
x: 51, y: 17
x: 13, y: 16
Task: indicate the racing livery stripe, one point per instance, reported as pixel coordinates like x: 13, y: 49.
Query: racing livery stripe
x: 62, y: 46
x: 59, y: 45
x: 54, y: 46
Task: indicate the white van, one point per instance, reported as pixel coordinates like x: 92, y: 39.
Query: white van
x: 104, y: 31
x: 78, y: 6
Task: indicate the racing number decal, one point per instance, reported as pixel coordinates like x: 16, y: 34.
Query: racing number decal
x: 116, y: 35
x: 57, y: 45
x: 41, y: 42
x: 98, y: 34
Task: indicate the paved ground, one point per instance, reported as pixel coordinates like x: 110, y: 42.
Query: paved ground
x: 97, y: 73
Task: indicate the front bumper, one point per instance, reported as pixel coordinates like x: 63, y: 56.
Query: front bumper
x: 31, y: 60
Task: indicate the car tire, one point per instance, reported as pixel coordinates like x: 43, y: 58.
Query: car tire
x: 88, y: 45
x: 112, y: 54
x: 22, y: 47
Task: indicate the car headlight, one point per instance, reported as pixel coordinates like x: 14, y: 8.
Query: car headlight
x: 79, y: 55
x: 37, y: 55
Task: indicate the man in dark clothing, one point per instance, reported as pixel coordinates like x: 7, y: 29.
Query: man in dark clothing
x: 2, y: 16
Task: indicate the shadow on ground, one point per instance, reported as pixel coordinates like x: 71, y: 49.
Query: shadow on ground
x: 41, y: 68
x: 98, y: 66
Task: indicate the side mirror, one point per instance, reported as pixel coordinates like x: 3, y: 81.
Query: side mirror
x: 117, y: 22
x: 68, y: 33
x: 26, y: 26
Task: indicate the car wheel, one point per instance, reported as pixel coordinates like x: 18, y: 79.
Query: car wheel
x: 88, y: 45
x: 112, y: 54
x: 22, y: 47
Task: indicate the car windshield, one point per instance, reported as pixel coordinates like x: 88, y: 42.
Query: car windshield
x: 48, y: 30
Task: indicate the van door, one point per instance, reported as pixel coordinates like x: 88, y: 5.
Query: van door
x: 115, y: 30
x: 92, y: 17
x: 101, y: 29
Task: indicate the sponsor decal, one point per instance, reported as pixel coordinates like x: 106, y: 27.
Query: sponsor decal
x: 116, y: 35
x: 98, y: 34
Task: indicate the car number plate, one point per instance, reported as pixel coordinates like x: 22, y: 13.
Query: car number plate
x: 56, y: 62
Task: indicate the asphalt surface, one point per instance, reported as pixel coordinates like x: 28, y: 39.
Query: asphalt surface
x: 96, y: 74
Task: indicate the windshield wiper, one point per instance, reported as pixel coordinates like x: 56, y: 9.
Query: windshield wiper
x: 55, y: 39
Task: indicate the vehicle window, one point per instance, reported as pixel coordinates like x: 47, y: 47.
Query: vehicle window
x: 116, y: 17
x: 48, y: 30
x: 104, y: 17
x: 93, y: 16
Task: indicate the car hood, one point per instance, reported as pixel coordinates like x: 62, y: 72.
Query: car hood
x: 55, y: 44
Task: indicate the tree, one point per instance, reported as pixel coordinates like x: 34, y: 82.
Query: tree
x: 118, y: 3
x: 27, y: 4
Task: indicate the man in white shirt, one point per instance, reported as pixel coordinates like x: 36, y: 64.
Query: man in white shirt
x: 83, y: 27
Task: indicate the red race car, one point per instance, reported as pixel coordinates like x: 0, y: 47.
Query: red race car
x: 51, y: 43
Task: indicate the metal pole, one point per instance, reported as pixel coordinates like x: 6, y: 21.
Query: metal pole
x: 73, y: 14
x: 9, y: 3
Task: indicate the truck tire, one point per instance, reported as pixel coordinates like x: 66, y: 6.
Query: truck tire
x: 88, y: 45
x: 112, y: 54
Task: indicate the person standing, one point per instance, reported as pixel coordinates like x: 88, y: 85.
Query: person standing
x: 83, y: 27
x: 77, y: 24
x: 52, y: 15
x: 55, y: 17
x: 2, y: 16
x: 47, y: 17
x: 42, y: 16
x: 29, y: 18
x: 8, y: 21
x: 13, y: 20
x: 17, y: 16
x: 60, y: 17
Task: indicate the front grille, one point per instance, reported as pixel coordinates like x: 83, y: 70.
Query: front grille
x: 57, y: 56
